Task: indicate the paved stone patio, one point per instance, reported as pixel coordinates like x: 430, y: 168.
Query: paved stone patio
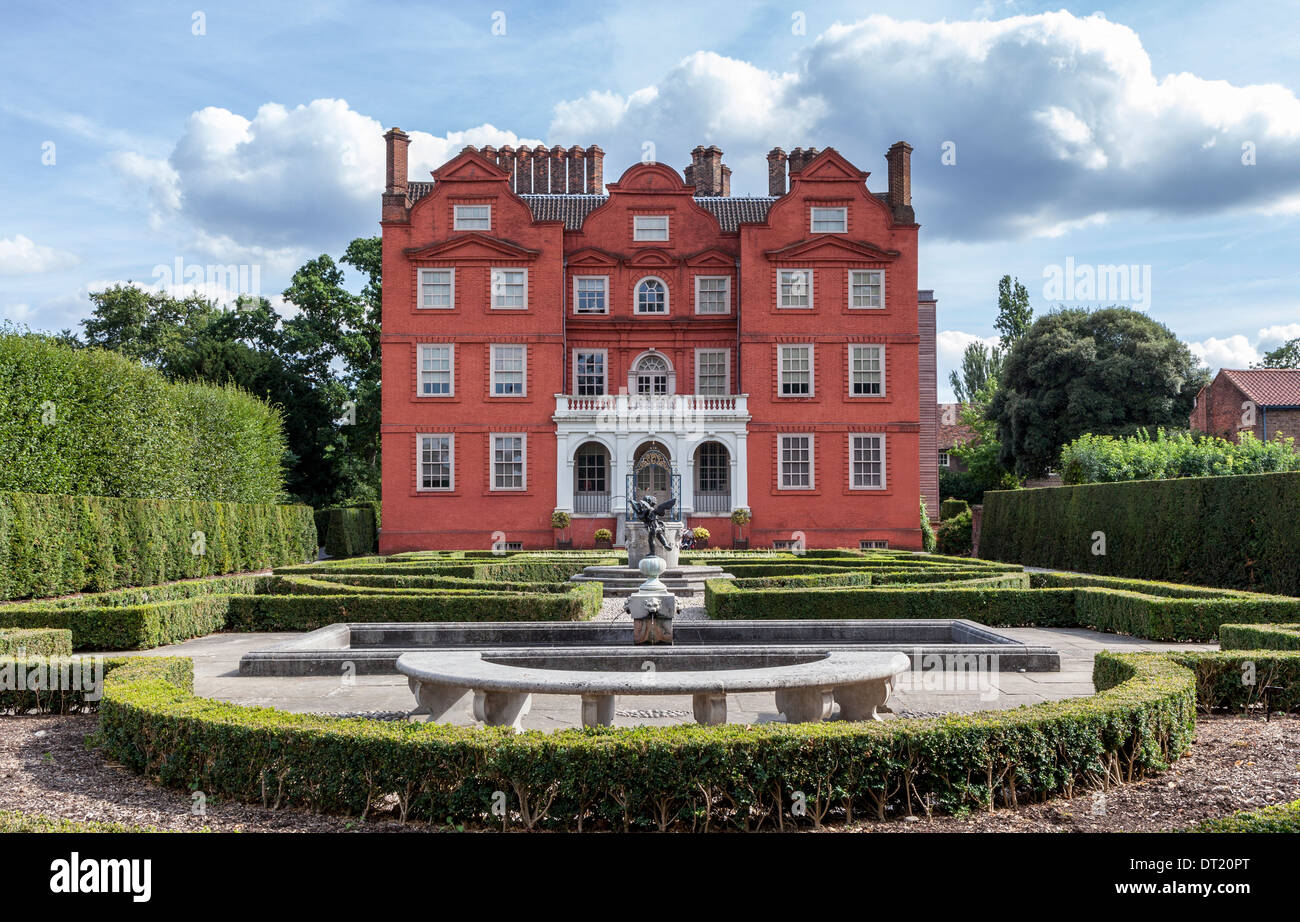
x: 216, y: 675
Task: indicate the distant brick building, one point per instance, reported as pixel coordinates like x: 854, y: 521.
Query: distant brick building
x: 546, y: 337
x: 1262, y: 401
x: 952, y: 432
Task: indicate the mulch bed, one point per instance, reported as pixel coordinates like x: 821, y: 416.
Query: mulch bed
x: 1237, y: 763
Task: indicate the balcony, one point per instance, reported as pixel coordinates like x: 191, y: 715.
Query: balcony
x: 664, y: 411
x: 591, y: 503
x: 712, y: 503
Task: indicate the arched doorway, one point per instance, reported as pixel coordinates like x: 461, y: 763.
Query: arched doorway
x: 652, y: 471
x: 591, y: 479
x: 712, y: 479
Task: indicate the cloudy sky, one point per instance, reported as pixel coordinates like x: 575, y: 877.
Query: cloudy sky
x: 1162, y: 137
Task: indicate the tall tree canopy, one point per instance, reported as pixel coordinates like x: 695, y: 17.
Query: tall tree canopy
x: 978, y: 374
x: 1107, y: 372
x: 1014, y: 313
x: 1286, y: 355
x: 321, y: 365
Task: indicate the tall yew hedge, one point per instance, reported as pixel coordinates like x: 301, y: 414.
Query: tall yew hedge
x: 1240, y: 532
x: 92, y: 422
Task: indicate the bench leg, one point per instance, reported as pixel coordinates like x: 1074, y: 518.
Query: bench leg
x: 710, y: 709
x: 864, y: 701
x: 434, y: 700
x: 502, y: 709
x: 597, y: 710
x: 804, y: 705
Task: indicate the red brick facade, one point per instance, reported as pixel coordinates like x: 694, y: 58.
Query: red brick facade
x: 537, y: 336
x: 1262, y: 401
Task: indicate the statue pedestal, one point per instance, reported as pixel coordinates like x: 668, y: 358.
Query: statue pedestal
x: 652, y: 606
x: 638, y: 546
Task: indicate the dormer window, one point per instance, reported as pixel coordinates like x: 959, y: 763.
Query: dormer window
x: 473, y: 217
x: 650, y: 227
x: 830, y: 220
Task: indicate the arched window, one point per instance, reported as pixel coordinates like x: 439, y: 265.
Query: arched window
x: 651, y: 296
x: 712, y: 479
x: 591, y: 479
x: 652, y: 375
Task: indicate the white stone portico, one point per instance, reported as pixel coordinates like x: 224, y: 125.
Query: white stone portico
x: 624, y: 424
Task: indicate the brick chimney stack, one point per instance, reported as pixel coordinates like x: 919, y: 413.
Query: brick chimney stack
x: 524, y: 170
x: 712, y: 171
x: 776, y: 172
x: 541, y: 169
x: 395, y: 179
x: 595, y: 170
x: 576, y: 159
x: 726, y: 181
x: 899, y: 159
x: 697, y: 174
x: 506, y: 160
x: 558, y: 172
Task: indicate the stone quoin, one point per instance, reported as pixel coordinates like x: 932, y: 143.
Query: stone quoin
x: 544, y: 332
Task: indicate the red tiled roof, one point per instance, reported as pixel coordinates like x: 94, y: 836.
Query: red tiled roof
x: 1268, y: 387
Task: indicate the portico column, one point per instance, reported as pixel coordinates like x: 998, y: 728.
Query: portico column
x: 740, y: 472
x: 688, y: 482
x: 563, y: 474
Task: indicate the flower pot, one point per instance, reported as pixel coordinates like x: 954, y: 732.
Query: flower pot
x: 741, y: 544
x: 564, y: 544
x: 604, y: 544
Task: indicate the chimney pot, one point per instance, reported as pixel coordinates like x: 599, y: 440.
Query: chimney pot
x: 776, y: 159
x: 559, y: 176
x: 899, y: 160
x: 595, y: 170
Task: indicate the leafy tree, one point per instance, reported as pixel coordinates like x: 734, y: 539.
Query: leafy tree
x: 982, y: 455
x: 980, y: 365
x: 1107, y: 372
x: 1286, y: 355
x: 1014, y: 313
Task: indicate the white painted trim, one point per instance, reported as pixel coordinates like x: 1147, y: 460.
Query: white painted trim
x: 419, y: 370
x: 812, y: 460
x: 492, y: 287
x: 796, y: 307
x: 492, y: 468
x: 602, y: 278
x: 456, y: 218
x: 637, y: 230
x: 492, y: 369
x: 884, y: 371
x: 636, y: 297
x: 419, y: 460
x: 419, y: 288
x: 726, y: 364
x: 725, y: 278
x: 780, y: 370
x: 852, y: 306
x: 812, y: 218
x: 884, y: 459
x: 573, y: 362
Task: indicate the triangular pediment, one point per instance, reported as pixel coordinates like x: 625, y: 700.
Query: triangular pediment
x: 469, y: 166
x: 829, y: 166
x: 830, y: 248
x: 712, y: 257
x: 591, y: 256
x: 473, y: 246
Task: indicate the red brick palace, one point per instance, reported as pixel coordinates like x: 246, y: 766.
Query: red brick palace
x: 549, y: 340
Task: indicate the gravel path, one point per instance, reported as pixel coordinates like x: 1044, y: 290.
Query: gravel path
x: 47, y: 767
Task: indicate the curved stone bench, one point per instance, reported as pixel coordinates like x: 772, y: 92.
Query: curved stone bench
x: 807, y: 684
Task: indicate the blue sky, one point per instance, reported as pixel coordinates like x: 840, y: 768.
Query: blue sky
x: 1159, y: 136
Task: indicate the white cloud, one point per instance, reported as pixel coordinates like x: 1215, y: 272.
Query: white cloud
x: 1231, y: 352
x: 949, y: 346
x: 1058, y: 120
x: 20, y: 255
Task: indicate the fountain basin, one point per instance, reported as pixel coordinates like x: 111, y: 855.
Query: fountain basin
x: 808, y: 683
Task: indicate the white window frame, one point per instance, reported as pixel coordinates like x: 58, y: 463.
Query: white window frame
x: 604, y: 280
x: 419, y: 370
x: 852, y: 348
x: 640, y: 231
x: 780, y: 371
x: 726, y: 295
x: 420, y: 283
x: 884, y: 460
x: 492, y: 370
x: 464, y: 222
x: 604, y: 366
x: 492, y: 462
x: 813, y: 219
x: 419, y: 461
x: 780, y: 298
x: 867, y: 307
x: 726, y: 370
x: 636, y: 297
x: 780, y: 460
x: 492, y: 291
x: 945, y: 457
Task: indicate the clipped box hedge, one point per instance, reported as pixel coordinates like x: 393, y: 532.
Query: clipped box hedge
x: 1237, y: 532
x: 35, y: 642
x: 1259, y: 636
x: 126, y: 627
x: 347, y: 531
x: 53, y: 545
x: 64, y: 695
x: 730, y: 776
